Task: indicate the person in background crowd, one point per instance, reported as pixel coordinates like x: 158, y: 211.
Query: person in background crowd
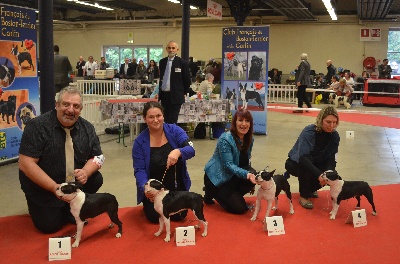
x: 62, y: 67
x: 385, y: 70
x: 303, y: 81
x: 209, y: 67
x: 207, y: 85
x: 126, y: 70
x: 325, y: 95
x: 193, y: 69
x: 160, y: 152
x: 348, y: 78
x: 216, y: 72
x: 42, y: 160
x: 141, y: 71
x: 174, y: 83
x: 152, y: 71
x: 90, y: 68
x: 79, y: 66
x: 314, y: 153
x: 228, y: 174
x: 365, y: 75
x: 275, y: 78
x: 103, y: 64
x: 133, y: 65
x: 331, y: 72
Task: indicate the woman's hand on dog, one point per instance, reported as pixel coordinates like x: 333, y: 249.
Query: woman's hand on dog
x: 252, y: 178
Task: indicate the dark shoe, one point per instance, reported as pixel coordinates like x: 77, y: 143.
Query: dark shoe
x: 307, y: 205
x: 208, y: 199
x: 297, y: 111
x: 314, y: 195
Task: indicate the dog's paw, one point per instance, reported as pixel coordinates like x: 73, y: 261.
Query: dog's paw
x: 374, y: 213
x: 274, y: 208
x: 204, y: 234
x: 253, y: 218
x: 332, y: 217
x: 118, y: 235
x: 167, y: 238
x: 157, y: 233
x: 291, y: 212
x: 75, y: 244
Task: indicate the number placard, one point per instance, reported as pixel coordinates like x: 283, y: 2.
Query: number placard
x: 59, y: 248
x: 358, y: 218
x: 274, y: 225
x: 185, y: 236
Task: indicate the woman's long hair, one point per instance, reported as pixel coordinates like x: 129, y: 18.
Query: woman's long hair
x: 248, y: 137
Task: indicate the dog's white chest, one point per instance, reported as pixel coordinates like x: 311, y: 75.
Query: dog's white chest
x: 267, y: 190
x: 76, y: 203
x: 336, y: 188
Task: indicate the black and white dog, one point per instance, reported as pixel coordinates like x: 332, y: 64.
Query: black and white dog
x: 8, y: 108
x: 168, y: 203
x: 231, y: 96
x: 21, y: 57
x: 249, y: 95
x: 7, y: 74
x: 84, y: 206
x: 256, y: 68
x: 270, y: 187
x: 343, y: 190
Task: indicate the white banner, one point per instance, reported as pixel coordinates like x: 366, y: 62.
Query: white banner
x: 214, y: 10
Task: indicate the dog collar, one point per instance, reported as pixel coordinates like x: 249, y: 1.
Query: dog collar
x: 269, y: 188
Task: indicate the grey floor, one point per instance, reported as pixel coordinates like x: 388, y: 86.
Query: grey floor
x: 373, y: 156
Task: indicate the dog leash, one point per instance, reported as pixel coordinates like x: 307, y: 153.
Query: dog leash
x: 165, y: 172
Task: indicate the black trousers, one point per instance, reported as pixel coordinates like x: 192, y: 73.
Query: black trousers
x: 230, y: 194
x: 308, y: 181
x: 171, y: 111
x: 50, y: 219
x: 302, y: 97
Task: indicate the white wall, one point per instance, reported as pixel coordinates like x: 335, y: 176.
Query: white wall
x: 321, y: 42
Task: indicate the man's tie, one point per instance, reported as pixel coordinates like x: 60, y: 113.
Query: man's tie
x: 69, y: 156
x: 126, y: 68
x: 166, y: 77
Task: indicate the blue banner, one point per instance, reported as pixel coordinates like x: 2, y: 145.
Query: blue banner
x: 19, y: 83
x: 245, y: 65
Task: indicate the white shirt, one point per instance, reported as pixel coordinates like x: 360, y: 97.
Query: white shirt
x: 92, y: 66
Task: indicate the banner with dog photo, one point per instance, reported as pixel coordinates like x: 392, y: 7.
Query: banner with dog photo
x: 19, y: 83
x: 244, y: 81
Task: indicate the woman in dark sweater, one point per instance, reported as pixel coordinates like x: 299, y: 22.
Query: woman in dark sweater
x: 313, y: 153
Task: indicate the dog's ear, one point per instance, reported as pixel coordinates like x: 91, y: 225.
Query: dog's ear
x: 272, y: 172
x: 78, y: 185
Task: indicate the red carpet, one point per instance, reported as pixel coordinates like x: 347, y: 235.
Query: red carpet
x: 363, y: 118
x: 310, y: 236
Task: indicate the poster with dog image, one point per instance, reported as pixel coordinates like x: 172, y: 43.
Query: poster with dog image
x: 19, y: 84
x: 244, y: 82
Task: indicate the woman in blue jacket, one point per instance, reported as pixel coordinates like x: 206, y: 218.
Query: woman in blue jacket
x: 160, y: 152
x: 313, y: 153
x: 228, y: 174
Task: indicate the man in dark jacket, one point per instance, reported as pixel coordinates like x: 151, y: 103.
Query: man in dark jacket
x: 62, y: 67
x: 331, y: 72
x: 174, y: 83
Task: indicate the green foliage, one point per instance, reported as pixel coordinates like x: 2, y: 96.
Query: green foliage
x: 115, y: 56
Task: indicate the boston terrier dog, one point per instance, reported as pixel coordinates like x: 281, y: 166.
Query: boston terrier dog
x: 270, y: 187
x: 168, y: 203
x: 343, y: 190
x: 84, y: 206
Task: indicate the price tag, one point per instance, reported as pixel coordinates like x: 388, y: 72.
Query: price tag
x: 185, y: 236
x: 274, y: 225
x: 358, y: 218
x: 59, y: 248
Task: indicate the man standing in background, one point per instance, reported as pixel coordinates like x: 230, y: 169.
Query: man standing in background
x: 62, y: 67
x: 385, y: 70
x: 79, y: 66
x: 331, y: 72
x: 90, y: 68
x: 174, y: 83
x: 103, y: 64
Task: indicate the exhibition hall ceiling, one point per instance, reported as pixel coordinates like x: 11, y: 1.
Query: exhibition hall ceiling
x: 285, y: 10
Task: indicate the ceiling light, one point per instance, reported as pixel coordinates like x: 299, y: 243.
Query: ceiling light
x: 330, y: 9
x: 89, y: 4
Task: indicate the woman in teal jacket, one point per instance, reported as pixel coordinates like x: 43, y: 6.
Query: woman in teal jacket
x: 228, y: 172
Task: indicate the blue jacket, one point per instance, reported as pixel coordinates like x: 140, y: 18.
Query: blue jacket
x: 177, y: 137
x: 224, y: 164
x: 305, y: 144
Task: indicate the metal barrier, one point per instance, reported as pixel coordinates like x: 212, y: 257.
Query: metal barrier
x: 91, y: 112
x: 99, y: 87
